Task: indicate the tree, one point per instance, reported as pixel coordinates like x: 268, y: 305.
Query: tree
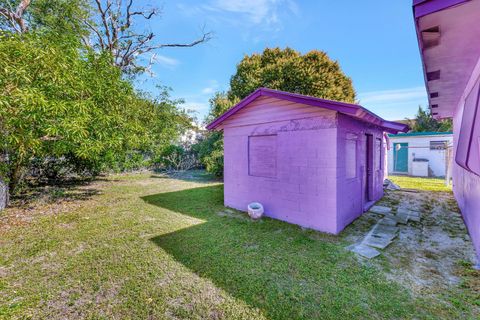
x: 61, y: 17
x: 425, y: 122
x: 59, y: 102
x: 113, y: 30
x: 313, y: 73
x: 219, y: 103
x: 70, y: 104
x: 106, y: 26
x: 14, y: 16
x: 210, y: 148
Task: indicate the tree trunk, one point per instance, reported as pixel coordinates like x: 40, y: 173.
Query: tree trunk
x: 16, y: 176
x: 4, y: 195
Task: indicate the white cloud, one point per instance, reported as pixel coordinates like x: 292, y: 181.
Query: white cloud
x: 212, y: 87
x: 165, y: 61
x: 197, y: 106
x: 255, y: 12
x: 208, y: 90
x: 394, y: 104
x: 189, y: 10
x: 393, y: 96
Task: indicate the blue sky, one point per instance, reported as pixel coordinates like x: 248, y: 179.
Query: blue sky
x: 374, y: 42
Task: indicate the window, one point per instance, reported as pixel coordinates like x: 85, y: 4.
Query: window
x: 351, y: 158
x: 378, y: 156
x: 467, y: 151
x: 262, y: 156
x: 438, y: 145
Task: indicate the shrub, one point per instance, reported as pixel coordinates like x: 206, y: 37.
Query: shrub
x: 178, y: 158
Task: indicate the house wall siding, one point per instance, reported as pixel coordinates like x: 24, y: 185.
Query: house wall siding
x: 420, y: 148
x: 466, y: 185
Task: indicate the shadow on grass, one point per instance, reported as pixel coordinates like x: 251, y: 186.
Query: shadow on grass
x: 274, y: 266
x: 57, y: 190
x: 189, y: 175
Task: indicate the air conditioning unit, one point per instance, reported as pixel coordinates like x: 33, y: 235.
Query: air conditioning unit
x: 420, y: 167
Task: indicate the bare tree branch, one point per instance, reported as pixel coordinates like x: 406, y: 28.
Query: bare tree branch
x: 95, y: 30
x: 113, y: 30
x: 15, y: 18
x: 104, y: 18
x: 206, y: 37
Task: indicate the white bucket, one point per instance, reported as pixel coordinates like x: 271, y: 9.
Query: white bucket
x: 255, y: 210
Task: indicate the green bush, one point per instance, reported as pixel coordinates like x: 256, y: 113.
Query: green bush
x: 209, y: 151
x: 65, y: 106
x: 168, y: 156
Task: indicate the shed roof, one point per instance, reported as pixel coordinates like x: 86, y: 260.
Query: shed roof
x: 421, y: 134
x: 350, y: 109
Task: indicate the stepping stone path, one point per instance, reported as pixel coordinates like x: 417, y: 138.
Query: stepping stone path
x: 380, y: 209
x: 364, y: 250
x: 410, y: 214
x: 384, y: 231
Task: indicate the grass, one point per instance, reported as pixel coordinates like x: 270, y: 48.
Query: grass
x: 145, y: 246
x: 425, y: 184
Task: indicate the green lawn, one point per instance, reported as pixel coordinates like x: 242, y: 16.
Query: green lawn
x: 148, y: 247
x: 426, y: 184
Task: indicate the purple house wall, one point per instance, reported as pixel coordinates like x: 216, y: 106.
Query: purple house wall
x: 448, y: 33
x: 305, y: 159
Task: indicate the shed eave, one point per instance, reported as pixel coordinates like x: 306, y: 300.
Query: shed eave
x: 452, y: 54
x: 353, y: 110
x: 425, y: 7
x: 423, y: 134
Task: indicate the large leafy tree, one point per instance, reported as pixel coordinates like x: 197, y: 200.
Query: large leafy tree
x: 313, y: 73
x: 210, y: 147
x: 60, y: 99
x: 61, y: 102
x: 64, y: 17
x: 425, y: 122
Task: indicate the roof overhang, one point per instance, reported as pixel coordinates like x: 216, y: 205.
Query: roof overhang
x: 447, y: 33
x: 422, y: 134
x: 425, y: 7
x: 353, y: 110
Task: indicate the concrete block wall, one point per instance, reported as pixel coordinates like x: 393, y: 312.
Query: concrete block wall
x: 304, y: 189
x: 351, y: 191
x: 302, y: 180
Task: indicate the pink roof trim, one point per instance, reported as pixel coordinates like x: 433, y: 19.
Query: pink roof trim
x: 350, y: 109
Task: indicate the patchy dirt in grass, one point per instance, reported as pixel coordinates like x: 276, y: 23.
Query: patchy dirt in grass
x: 73, y: 303
x: 49, y: 201
x: 428, y: 256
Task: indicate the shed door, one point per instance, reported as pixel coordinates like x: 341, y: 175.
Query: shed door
x: 400, y: 157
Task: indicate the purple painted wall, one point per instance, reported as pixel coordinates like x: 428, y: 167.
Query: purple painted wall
x: 351, y: 201
x: 306, y: 164
x: 466, y: 178
x: 448, y: 33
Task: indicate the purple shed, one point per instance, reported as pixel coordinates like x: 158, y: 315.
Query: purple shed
x: 309, y: 161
